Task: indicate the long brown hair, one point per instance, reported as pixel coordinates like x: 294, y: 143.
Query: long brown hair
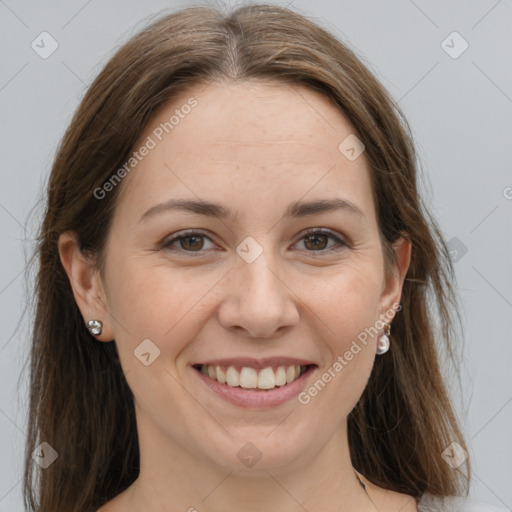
x: 80, y: 403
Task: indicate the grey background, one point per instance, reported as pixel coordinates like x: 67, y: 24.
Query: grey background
x: 460, y: 111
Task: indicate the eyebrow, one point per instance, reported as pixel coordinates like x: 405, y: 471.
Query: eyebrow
x: 296, y: 209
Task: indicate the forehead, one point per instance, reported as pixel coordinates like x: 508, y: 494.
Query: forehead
x: 252, y: 143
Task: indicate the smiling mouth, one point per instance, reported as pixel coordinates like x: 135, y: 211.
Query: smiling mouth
x: 246, y: 377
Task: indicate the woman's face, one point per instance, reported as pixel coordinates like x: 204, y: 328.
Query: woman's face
x: 253, y: 165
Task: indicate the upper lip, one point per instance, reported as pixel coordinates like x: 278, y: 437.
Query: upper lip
x: 256, y: 363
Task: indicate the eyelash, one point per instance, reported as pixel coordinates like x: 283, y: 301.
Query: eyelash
x: 311, y: 231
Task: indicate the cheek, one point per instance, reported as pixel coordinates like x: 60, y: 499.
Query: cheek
x: 157, y: 302
x: 346, y: 310
x: 346, y: 304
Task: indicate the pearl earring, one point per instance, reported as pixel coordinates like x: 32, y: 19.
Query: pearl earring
x: 95, y: 327
x: 383, y: 342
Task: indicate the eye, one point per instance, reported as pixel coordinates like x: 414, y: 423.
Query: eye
x: 315, y: 240
x: 192, y: 241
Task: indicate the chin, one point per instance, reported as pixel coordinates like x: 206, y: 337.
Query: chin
x: 258, y: 451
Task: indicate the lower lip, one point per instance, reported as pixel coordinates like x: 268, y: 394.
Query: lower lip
x: 257, y: 399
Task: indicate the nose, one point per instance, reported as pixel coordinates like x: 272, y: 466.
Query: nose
x: 258, y: 302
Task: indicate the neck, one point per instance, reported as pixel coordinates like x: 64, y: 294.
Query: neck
x: 173, y: 479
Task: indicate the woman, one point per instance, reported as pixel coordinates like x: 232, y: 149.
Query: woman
x: 235, y: 269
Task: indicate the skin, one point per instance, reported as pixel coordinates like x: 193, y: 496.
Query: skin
x: 255, y: 147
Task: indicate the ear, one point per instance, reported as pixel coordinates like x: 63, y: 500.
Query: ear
x: 393, y: 284
x: 86, y: 283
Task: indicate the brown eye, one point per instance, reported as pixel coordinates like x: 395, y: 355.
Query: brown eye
x: 316, y: 240
x: 189, y: 242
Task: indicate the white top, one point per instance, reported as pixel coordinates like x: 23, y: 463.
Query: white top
x: 430, y: 503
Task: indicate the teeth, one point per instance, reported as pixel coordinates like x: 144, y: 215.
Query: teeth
x: 221, y: 376
x: 266, y: 379
x: 290, y: 373
x: 281, y: 376
x: 250, y: 378
x: 232, y: 377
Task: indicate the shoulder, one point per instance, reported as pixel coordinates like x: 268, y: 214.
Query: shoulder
x: 430, y: 503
